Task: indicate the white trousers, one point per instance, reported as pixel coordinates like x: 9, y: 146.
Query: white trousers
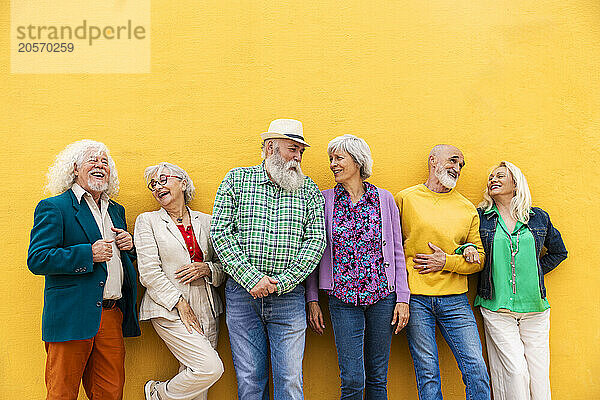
x: 200, y: 365
x: 519, y: 354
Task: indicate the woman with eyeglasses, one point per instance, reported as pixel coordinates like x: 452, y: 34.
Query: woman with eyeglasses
x: 511, y: 292
x: 180, y: 270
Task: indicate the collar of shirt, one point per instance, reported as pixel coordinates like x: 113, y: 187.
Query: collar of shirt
x: 79, y: 192
x: 494, y: 209
x: 369, y: 196
x: 263, y: 177
x: 500, y: 222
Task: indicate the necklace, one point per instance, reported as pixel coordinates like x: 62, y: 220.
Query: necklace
x: 513, y: 252
x: 184, y: 231
x: 178, y: 219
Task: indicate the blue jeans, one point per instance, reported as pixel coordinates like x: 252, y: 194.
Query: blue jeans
x: 363, y: 336
x: 255, y: 325
x: 457, y: 324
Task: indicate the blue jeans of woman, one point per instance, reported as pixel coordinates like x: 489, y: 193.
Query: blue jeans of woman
x: 457, y: 324
x: 275, y: 323
x: 363, y: 336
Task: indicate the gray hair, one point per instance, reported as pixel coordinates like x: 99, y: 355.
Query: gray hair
x: 358, y: 149
x: 190, y: 190
x: 437, y: 150
x: 61, y: 174
x: 263, y: 147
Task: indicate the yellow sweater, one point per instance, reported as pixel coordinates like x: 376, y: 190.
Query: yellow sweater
x: 447, y: 220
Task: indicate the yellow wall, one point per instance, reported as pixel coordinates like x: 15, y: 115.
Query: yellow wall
x: 516, y: 80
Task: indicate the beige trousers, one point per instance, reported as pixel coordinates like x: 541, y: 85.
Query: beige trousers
x: 200, y: 365
x: 519, y: 354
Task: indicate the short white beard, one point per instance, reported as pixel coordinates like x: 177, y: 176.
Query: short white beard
x: 95, y: 185
x: 289, y: 179
x: 445, y: 179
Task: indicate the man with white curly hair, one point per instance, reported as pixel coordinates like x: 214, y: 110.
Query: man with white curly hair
x: 80, y: 243
x: 269, y: 232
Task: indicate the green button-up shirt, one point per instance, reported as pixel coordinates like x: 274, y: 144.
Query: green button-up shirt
x: 260, y: 229
x: 517, y: 290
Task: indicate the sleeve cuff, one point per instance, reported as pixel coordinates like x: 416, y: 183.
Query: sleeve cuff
x: 451, y: 261
x: 212, y: 273
x: 461, y: 249
x: 173, y: 302
x: 283, y: 284
x: 249, y: 279
x: 403, y: 297
x: 312, y: 295
x: 88, y: 257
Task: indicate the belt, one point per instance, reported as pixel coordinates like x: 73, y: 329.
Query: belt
x: 109, y: 303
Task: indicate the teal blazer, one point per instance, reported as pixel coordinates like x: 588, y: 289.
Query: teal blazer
x: 61, y: 249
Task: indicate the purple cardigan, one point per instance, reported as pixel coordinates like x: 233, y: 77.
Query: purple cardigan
x: 393, y: 253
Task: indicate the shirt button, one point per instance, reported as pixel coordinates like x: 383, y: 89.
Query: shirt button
x: 99, y: 304
x: 384, y: 243
x: 101, y: 284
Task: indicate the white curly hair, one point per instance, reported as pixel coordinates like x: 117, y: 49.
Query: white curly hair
x: 61, y: 174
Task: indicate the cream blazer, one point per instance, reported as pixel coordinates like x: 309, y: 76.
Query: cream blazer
x: 161, y: 250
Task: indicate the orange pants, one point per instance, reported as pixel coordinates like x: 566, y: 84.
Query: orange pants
x: 99, y: 362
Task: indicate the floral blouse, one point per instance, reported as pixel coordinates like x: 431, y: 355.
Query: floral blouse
x: 358, y: 272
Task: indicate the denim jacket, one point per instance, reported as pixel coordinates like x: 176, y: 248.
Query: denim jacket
x: 545, y: 235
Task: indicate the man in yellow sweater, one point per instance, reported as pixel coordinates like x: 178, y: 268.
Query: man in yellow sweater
x: 436, y: 221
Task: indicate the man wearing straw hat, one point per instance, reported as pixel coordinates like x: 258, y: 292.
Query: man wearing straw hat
x: 268, y: 230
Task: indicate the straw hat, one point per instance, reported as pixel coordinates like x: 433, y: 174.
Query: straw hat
x: 285, y: 129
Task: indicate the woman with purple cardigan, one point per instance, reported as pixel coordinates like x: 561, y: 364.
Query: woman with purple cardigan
x: 363, y: 271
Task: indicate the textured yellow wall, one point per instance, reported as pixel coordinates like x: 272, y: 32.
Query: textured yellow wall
x: 516, y: 80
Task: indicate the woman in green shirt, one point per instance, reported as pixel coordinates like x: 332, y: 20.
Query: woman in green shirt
x: 511, y: 292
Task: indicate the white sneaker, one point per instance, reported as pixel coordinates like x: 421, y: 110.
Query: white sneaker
x: 150, y: 391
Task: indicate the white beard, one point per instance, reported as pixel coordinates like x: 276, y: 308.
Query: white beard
x: 95, y: 185
x: 289, y: 179
x: 445, y: 179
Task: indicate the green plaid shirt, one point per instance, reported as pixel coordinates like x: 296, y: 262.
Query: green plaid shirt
x: 260, y: 229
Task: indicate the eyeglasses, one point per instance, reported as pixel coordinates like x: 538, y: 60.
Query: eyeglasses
x: 162, y: 179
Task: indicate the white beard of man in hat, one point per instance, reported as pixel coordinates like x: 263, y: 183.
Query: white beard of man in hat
x: 284, y: 169
x: 283, y: 146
